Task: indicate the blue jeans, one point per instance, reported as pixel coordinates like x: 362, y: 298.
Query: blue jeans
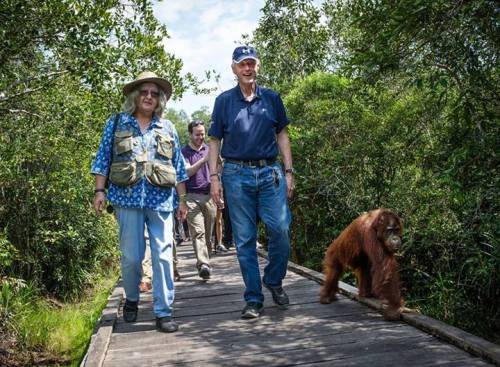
x: 253, y: 192
x: 133, y: 245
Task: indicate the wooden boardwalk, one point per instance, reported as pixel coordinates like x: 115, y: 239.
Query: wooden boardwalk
x: 344, y: 333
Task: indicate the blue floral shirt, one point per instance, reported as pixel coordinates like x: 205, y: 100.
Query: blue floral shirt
x: 143, y: 194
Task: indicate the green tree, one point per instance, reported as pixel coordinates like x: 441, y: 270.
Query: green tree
x: 180, y: 120
x: 204, y: 114
x: 415, y: 126
x: 61, y: 74
x: 292, y: 42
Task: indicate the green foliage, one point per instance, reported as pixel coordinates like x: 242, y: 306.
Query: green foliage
x: 454, y: 43
x: 291, y: 41
x: 48, y: 329
x: 60, y: 78
x: 204, y: 114
x: 180, y: 120
x: 103, y: 43
x: 7, y: 252
x: 357, y: 147
x: 47, y: 192
x: 411, y: 123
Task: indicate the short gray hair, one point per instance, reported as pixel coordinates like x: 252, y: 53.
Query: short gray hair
x: 129, y: 105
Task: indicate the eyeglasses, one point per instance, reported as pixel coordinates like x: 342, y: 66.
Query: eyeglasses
x: 193, y: 124
x: 145, y: 93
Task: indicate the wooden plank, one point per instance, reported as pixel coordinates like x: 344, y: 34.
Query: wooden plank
x: 456, y: 336
x: 196, y: 349
x: 233, y: 311
x: 219, y: 297
x: 369, y: 347
x: 464, y: 340
x: 212, y: 333
x: 308, y: 326
x: 199, y: 288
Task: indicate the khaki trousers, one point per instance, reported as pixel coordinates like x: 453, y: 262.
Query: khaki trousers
x: 201, y: 218
x: 147, y: 265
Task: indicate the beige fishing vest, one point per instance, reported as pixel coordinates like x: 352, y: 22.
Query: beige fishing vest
x: 130, y: 161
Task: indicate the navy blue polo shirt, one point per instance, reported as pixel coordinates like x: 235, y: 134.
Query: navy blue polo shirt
x: 248, y: 129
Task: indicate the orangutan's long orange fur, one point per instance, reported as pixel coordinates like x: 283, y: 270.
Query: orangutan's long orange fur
x: 365, y: 248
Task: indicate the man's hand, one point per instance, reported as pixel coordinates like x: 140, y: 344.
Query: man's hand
x: 99, y: 202
x: 216, y: 191
x: 289, y: 184
x: 182, y: 211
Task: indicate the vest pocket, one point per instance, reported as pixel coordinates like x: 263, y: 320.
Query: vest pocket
x: 123, y: 142
x: 124, y: 173
x: 161, y: 174
x: 164, y: 146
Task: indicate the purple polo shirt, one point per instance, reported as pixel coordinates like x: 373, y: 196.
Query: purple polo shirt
x: 198, y: 183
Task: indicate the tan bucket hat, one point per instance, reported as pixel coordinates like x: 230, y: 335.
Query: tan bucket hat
x: 149, y: 76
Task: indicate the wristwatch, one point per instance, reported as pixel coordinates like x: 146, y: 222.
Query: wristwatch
x: 289, y: 170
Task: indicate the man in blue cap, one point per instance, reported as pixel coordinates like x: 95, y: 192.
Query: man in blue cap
x: 252, y: 124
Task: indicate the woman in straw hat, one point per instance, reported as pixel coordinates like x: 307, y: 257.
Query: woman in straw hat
x: 139, y: 155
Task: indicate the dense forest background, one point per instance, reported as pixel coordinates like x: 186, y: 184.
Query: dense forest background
x: 394, y: 104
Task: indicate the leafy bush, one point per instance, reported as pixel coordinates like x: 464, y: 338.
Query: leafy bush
x: 358, y: 147
x: 46, y: 196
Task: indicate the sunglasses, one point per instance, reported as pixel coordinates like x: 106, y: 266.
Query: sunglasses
x: 145, y: 93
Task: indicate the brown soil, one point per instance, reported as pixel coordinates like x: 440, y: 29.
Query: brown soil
x: 11, y: 355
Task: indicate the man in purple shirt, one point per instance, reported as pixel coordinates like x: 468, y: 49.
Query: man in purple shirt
x: 201, y: 208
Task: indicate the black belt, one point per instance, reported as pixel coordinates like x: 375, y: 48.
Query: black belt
x: 256, y: 163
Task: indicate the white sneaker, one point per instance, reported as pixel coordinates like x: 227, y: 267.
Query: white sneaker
x: 222, y: 248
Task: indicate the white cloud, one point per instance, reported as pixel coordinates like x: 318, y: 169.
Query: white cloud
x: 169, y: 12
x: 203, y: 35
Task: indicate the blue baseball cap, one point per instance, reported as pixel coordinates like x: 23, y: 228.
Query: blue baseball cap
x: 241, y: 53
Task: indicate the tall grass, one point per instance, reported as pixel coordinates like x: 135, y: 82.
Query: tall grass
x: 49, y: 332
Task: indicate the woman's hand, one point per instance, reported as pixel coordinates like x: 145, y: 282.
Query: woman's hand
x: 99, y: 202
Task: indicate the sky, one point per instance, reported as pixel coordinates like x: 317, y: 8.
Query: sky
x: 204, y: 33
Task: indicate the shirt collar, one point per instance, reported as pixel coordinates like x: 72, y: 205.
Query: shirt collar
x: 203, y: 147
x: 156, y: 121
x: 258, y: 92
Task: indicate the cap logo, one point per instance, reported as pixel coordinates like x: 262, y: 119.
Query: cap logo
x: 241, y: 53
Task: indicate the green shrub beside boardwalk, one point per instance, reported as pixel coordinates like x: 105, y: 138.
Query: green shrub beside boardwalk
x: 39, y: 331
x: 357, y: 147
x: 62, y: 65
x: 411, y: 121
